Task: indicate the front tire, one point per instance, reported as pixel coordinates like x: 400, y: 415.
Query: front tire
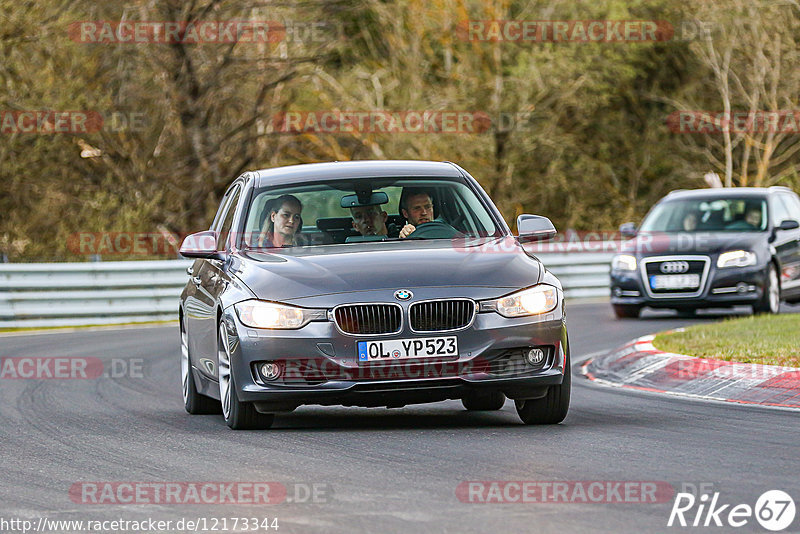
x: 484, y: 401
x: 238, y: 415
x: 193, y: 402
x: 771, y: 299
x: 627, y: 311
x: 550, y: 409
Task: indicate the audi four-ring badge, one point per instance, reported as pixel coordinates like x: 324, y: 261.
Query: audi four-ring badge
x: 674, y: 267
x: 376, y: 284
x: 711, y: 248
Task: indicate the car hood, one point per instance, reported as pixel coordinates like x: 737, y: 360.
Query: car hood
x: 706, y: 243
x: 313, y: 271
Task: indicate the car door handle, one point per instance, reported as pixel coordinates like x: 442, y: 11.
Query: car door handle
x: 196, y: 280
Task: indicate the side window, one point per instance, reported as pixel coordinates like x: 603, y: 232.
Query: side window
x: 227, y: 220
x: 792, y: 205
x: 779, y: 210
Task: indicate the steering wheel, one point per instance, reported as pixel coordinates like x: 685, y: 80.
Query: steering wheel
x: 434, y: 230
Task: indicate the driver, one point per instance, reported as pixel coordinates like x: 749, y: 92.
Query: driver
x: 416, y: 206
x: 753, y: 217
x: 751, y: 220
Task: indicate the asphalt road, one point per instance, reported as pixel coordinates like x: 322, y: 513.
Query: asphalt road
x: 380, y: 470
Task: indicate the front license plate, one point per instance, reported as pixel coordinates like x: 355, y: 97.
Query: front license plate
x: 402, y: 349
x: 675, y: 281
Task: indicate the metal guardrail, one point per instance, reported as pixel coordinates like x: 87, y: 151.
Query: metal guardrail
x: 583, y: 274
x: 71, y: 294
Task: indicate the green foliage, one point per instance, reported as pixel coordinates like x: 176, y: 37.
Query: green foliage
x: 592, y: 151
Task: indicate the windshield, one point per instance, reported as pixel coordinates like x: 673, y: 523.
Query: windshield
x: 365, y: 209
x: 708, y: 215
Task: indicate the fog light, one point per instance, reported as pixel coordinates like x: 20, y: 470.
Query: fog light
x: 741, y: 287
x: 270, y: 370
x: 535, y: 357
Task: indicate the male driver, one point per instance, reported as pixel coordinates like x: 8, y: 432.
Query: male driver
x: 416, y: 206
x: 753, y: 217
x: 750, y: 222
x: 369, y: 220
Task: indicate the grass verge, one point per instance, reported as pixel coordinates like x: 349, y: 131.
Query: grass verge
x: 771, y: 340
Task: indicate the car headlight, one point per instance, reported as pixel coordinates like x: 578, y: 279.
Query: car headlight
x: 623, y: 262
x: 736, y: 258
x: 538, y: 299
x: 262, y: 314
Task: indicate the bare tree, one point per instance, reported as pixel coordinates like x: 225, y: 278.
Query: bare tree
x: 752, y: 50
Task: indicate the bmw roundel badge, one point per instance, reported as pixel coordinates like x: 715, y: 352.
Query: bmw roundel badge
x: 403, y: 294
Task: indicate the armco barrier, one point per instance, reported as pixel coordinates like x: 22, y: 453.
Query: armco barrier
x: 70, y: 294
x: 67, y: 294
x: 583, y: 274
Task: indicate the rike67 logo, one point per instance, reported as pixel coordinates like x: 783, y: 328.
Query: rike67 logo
x: 774, y: 510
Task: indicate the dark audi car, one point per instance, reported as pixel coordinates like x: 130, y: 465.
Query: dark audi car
x: 379, y: 283
x: 711, y: 248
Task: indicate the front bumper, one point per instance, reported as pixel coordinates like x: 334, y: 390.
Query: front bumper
x: 326, y: 371
x: 732, y: 286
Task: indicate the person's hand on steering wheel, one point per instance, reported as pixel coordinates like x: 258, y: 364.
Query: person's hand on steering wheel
x: 406, y: 230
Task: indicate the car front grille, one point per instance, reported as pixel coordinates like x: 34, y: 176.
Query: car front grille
x: 369, y: 319
x: 441, y: 315
x: 676, y: 266
x: 692, y: 266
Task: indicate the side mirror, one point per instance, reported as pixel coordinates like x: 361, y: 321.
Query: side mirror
x: 788, y: 224
x: 535, y: 228
x: 201, y: 245
x: 628, y: 229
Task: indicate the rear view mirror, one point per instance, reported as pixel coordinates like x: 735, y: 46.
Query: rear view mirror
x: 535, y: 228
x: 366, y: 199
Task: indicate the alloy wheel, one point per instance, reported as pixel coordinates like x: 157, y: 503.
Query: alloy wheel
x: 224, y: 370
x: 774, y: 291
x: 185, y: 363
